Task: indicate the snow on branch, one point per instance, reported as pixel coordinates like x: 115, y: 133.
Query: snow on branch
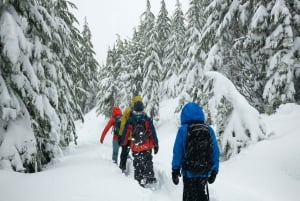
x: 237, y: 123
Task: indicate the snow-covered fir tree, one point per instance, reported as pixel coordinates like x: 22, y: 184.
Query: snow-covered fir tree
x: 174, y: 53
x: 36, y: 90
x: 249, y: 66
x: 163, y: 28
x: 147, y: 23
x: 19, y: 85
x: 68, y: 54
x: 151, y: 96
x: 106, y: 93
x: 86, y: 82
x: 250, y: 49
x: 234, y: 35
x: 192, y: 66
x: 225, y: 22
x: 283, y: 44
x: 152, y: 65
x: 120, y: 78
x: 122, y: 81
x: 137, y: 55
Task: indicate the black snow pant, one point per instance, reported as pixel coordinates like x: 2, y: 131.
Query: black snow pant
x: 124, y: 156
x: 143, y: 167
x: 194, y: 189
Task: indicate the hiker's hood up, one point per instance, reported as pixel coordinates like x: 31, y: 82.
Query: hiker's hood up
x: 192, y: 112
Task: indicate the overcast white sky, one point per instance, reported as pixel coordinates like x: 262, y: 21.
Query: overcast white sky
x: 107, y: 18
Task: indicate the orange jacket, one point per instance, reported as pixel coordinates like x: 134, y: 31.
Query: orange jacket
x: 116, y: 111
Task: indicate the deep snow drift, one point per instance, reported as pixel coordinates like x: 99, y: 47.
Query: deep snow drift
x: 266, y: 171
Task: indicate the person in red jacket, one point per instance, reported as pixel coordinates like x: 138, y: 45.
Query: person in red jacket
x: 140, y: 129
x: 114, y: 122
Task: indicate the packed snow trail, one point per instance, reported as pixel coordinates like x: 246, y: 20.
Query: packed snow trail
x: 124, y: 187
x: 85, y: 173
x: 266, y: 171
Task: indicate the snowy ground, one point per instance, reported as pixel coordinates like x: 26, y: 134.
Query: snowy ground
x: 267, y: 171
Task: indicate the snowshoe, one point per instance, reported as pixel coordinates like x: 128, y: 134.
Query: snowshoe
x: 151, y: 183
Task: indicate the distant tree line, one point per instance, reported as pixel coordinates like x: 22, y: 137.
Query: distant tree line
x: 255, y: 44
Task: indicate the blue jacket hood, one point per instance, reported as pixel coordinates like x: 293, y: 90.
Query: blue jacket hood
x: 192, y: 112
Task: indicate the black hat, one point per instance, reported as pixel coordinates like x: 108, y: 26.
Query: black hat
x: 138, y: 106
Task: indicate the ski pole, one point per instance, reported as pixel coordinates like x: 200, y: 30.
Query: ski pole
x: 207, y: 192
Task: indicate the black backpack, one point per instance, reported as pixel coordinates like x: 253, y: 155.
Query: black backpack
x: 139, y: 133
x: 198, y: 149
x: 117, y: 125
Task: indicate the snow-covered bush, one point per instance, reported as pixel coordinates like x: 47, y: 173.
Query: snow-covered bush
x: 236, y: 122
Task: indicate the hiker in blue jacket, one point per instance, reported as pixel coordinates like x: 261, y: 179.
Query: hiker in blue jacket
x: 193, y: 183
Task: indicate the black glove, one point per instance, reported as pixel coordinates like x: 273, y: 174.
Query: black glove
x: 155, y: 150
x: 212, y: 177
x: 175, y: 175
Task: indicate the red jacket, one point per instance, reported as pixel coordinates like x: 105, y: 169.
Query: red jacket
x: 116, y: 111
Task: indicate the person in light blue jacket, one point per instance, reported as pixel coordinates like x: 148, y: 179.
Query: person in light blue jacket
x: 193, y: 183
